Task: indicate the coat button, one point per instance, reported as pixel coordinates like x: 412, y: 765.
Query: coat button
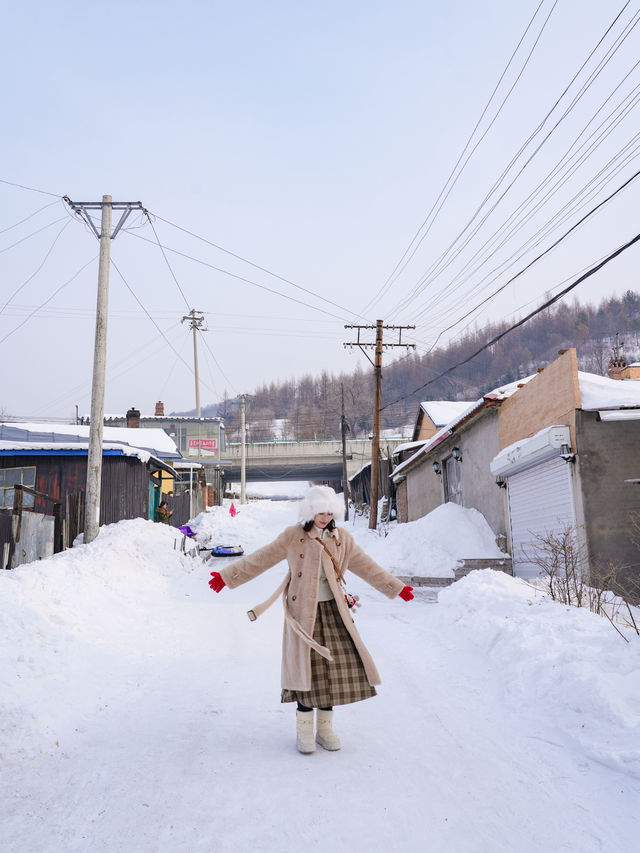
x: 299, y: 574
x: 293, y: 598
x: 302, y: 555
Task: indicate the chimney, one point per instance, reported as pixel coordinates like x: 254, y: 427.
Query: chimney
x: 133, y: 418
x: 159, y: 409
x: 617, y: 368
x: 617, y: 362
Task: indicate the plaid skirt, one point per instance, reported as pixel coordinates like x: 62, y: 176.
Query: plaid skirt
x: 337, y: 682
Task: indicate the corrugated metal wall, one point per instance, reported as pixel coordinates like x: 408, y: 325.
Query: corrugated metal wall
x: 125, y: 483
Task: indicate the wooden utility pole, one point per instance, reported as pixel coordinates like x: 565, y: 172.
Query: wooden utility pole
x: 345, y: 480
x: 378, y: 346
x: 94, y: 455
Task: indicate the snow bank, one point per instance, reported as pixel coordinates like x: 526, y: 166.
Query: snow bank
x: 432, y: 546
x: 140, y: 711
x: 565, y: 670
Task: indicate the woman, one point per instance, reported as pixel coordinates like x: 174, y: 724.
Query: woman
x: 163, y: 513
x: 324, y: 661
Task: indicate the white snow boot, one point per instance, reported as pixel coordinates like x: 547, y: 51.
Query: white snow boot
x: 304, y: 731
x: 325, y: 734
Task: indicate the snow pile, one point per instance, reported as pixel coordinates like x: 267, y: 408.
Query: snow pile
x: 564, y: 669
x: 140, y: 711
x: 432, y: 546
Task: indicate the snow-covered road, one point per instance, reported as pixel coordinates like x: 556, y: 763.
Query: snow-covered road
x: 140, y: 713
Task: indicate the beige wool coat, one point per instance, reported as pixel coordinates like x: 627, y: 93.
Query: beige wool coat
x: 304, y: 555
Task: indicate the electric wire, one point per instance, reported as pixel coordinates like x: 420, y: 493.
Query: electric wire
x: 38, y: 268
x: 558, y: 218
x: 539, y: 257
x: 164, y: 255
x: 55, y: 293
x: 246, y: 280
x: 351, y: 314
x: 85, y: 386
x: 594, y: 269
x: 33, y: 234
x: 217, y: 363
x: 31, y: 189
x: 451, y: 180
x: 447, y: 256
x: 27, y: 218
x: 135, y: 296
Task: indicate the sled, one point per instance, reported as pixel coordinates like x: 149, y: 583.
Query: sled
x: 186, y: 530
x: 227, y: 551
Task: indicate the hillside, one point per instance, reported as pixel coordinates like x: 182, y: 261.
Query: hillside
x: 310, y: 406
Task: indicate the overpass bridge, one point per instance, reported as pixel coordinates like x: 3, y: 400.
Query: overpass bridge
x: 300, y: 460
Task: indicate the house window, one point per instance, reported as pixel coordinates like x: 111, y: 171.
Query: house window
x: 9, y: 477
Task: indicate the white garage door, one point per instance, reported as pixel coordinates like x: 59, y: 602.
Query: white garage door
x: 540, y: 501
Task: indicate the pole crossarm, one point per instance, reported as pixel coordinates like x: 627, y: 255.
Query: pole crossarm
x: 81, y: 208
x: 196, y: 320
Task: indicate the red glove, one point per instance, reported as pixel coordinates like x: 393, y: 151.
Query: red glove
x: 406, y: 594
x: 216, y: 583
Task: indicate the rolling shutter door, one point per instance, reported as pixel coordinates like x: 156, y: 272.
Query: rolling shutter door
x: 540, y: 501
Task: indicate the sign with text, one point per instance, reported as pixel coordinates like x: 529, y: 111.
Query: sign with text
x: 203, y: 446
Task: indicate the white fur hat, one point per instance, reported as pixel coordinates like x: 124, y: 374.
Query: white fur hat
x: 321, y: 499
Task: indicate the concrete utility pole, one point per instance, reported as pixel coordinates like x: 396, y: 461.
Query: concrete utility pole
x: 378, y: 346
x: 196, y: 321
x: 243, y: 449
x: 94, y: 457
x: 344, y: 428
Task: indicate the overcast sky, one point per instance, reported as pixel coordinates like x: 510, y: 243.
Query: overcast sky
x: 313, y: 140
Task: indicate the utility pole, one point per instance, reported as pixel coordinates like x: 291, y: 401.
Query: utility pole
x: 243, y: 450
x: 94, y: 456
x: 378, y: 346
x: 345, y: 480
x: 196, y: 321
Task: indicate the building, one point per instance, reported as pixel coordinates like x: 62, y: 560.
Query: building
x: 558, y: 450
x: 47, y: 466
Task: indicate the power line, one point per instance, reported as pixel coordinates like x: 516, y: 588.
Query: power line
x: 524, y: 320
x: 31, y: 189
x: 561, y: 215
x: 27, y: 218
x: 35, y: 273
x: 55, y: 293
x: 543, y: 254
x: 441, y: 263
x: 246, y: 280
x: 254, y: 265
x: 164, y: 255
x: 169, y: 344
x: 34, y: 233
x: 451, y: 181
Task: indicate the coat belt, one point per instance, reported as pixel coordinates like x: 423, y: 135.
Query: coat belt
x: 296, y: 627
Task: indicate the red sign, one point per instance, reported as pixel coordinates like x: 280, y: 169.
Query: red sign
x: 204, y: 445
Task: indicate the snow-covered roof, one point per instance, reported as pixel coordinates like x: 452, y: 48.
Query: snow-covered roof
x: 176, y: 418
x: 601, y: 392
x: 497, y: 395
x: 442, y: 412
x: 409, y: 445
x: 154, y: 441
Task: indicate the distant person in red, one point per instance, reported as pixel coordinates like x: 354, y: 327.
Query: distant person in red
x: 324, y: 660
x: 232, y: 511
